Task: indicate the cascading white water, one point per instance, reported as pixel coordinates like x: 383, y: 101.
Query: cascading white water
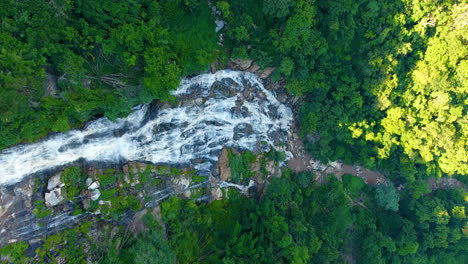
x: 227, y: 108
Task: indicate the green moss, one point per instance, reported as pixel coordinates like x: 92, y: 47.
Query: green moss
x: 40, y: 210
x: 108, y: 178
x: 37, y: 184
x: 163, y: 170
x: 198, y: 179
x: 175, y: 172
x: 77, y: 212
x: 353, y: 184
x: 145, y: 176
x: 106, y: 194
x: 157, y: 182
x: 66, y: 244
x: 240, y: 165
x: 16, y: 252
x: 197, y: 193
x: 74, y: 179
x: 277, y: 156
x: 119, y: 205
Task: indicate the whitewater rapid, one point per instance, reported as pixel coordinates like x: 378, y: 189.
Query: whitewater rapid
x: 224, y: 109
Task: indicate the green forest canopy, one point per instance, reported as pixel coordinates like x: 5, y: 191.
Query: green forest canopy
x: 382, y: 83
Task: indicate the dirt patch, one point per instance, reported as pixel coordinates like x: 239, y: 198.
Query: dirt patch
x: 445, y: 183
x: 302, y: 161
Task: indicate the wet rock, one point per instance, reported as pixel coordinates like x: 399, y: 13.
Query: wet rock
x: 247, y: 94
x: 273, y: 111
x: 54, y: 181
x: 239, y: 102
x: 223, y: 165
x: 95, y: 194
x: 54, y: 197
x: 242, y: 130
x: 240, y: 111
x: 223, y: 88
x: 163, y: 127
x: 283, y: 98
x: 197, y: 161
x: 261, y: 95
x: 198, y: 101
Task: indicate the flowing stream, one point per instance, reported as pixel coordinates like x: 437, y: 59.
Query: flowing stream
x: 227, y: 108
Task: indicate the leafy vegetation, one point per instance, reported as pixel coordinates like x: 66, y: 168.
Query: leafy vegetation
x: 240, y: 165
x: 40, y: 209
x: 296, y: 220
x: 102, y: 58
x: 16, y: 252
x: 74, y: 179
x: 147, y: 247
x: 384, y: 82
x: 306, y: 223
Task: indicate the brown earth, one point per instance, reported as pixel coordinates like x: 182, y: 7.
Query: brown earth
x: 302, y: 161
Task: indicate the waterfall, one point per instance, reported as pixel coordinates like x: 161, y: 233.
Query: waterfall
x: 224, y: 109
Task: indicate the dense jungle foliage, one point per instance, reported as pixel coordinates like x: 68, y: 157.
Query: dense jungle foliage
x: 295, y: 221
x: 382, y: 83
x: 106, y: 57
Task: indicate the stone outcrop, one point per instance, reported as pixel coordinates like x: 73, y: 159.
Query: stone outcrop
x: 54, y: 197
x: 250, y: 66
x: 95, y: 194
x: 93, y: 186
x: 223, y: 165
x: 54, y: 182
x: 241, y: 64
x: 263, y: 74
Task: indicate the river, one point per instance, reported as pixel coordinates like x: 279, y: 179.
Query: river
x: 223, y: 109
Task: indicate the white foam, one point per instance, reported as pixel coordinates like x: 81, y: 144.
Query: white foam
x: 196, y: 131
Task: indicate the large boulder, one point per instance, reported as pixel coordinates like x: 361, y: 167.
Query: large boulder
x: 265, y: 73
x: 242, y: 130
x: 54, y: 181
x: 93, y: 186
x: 241, y: 64
x: 253, y: 68
x: 54, y: 197
x: 95, y: 194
